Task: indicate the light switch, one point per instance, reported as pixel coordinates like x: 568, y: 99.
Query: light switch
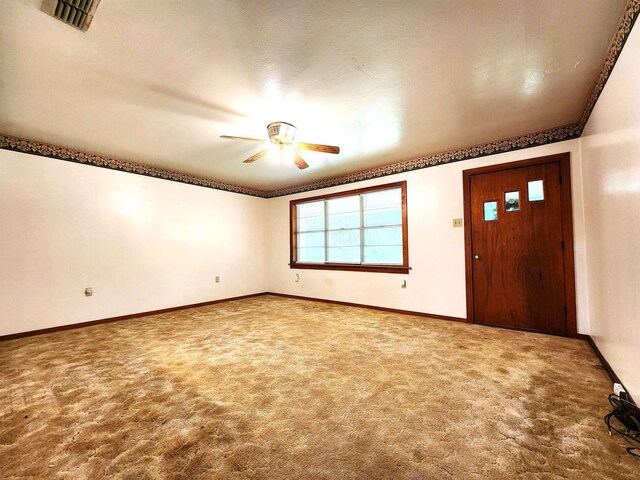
x: 457, y: 222
x: 88, y: 292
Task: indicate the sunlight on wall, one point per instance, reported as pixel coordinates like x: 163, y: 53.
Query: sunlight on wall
x: 624, y: 180
x: 617, y: 137
x: 131, y: 204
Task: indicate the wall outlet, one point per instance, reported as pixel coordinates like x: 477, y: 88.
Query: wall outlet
x: 618, y: 389
x: 457, y: 222
x: 297, y: 277
x: 217, y: 278
x: 403, y: 283
x: 88, y: 292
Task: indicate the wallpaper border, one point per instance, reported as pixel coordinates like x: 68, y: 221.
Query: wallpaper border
x: 63, y: 153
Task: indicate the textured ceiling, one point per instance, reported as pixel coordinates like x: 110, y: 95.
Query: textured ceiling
x: 156, y: 82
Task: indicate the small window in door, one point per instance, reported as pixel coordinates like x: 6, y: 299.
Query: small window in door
x: 490, y: 211
x: 512, y: 201
x: 536, y: 190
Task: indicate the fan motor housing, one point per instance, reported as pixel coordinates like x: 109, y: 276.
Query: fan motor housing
x: 281, y: 133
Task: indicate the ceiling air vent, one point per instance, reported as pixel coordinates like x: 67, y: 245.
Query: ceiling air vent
x: 77, y: 13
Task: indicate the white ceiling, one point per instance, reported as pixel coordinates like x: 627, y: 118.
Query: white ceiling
x: 157, y: 81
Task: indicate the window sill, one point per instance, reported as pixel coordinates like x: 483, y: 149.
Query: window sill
x: 352, y: 268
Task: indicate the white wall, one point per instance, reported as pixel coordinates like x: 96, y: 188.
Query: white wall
x: 436, y: 283
x: 611, y: 164
x: 141, y: 243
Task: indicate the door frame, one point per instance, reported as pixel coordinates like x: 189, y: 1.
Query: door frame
x: 564, y: 160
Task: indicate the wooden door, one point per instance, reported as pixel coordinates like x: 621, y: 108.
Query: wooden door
x: 517, y: 247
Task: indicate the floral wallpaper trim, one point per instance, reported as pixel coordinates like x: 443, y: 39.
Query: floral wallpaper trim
x: 71, y: 155
x: 622, y: 33
x: 530, y: 140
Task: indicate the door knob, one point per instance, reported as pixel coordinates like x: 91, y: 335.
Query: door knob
x: 477, y: 257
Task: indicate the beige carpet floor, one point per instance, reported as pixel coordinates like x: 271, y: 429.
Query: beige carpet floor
x: 275, y: 388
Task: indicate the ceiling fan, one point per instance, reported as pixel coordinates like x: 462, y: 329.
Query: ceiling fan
x: 281, y: 135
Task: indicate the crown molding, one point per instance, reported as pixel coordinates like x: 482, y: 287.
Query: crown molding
x: 544, y: 137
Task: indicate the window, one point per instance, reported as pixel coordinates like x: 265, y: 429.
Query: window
x: 512, y: 201
x: 364, y: 230
x: 536, y: 190
x: 490, y: 211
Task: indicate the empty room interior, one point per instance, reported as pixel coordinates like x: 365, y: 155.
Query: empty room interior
x: 319, y: 239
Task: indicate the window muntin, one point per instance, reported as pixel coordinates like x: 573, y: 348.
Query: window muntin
x: 361, y: 229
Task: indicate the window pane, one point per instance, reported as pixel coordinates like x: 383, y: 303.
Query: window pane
x: 536, y: 191
x: 490, y: 211
x: 310, y: 255
x: 343, y: 254
x: 387, y: 255
x: 310, y: 223
x: 343, y: 205
x: 383, y: 236
x: 343, y: 220
x: 311, y: 209
x: 343, y: 238
x: 383, y: 199
x: 382, y: 208
x: 311, y: 240
x: 389, y: 216
x: 343, y: 212
x: 512, y: 201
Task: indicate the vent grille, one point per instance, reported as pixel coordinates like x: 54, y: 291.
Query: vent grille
x: 77, y: 13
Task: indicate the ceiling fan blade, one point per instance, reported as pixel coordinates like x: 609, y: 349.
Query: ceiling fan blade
x: 299, y: 161
x: 231, y: 137
x: 319, y: 148
x: 256, y: 156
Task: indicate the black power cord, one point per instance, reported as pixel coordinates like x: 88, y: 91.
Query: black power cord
x: 627, y: 414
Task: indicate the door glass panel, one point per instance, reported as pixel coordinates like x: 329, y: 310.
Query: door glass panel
x: 490, y: 211
x: 536, y: 190
x: 512, y: 201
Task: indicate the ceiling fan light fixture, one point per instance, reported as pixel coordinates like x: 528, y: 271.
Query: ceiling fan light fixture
x: 281, y: 133
x: 281, y: 146
x: 274, y: 151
